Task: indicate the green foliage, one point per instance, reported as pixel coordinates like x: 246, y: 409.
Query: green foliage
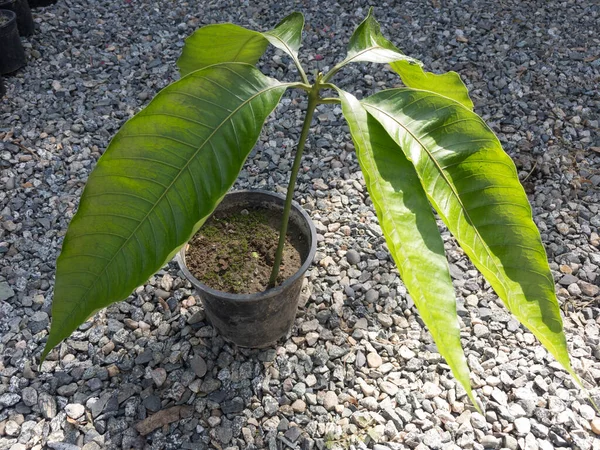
x: 419, y: 146
x: 162, y: 175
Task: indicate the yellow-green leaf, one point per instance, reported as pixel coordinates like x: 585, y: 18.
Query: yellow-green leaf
x: 410, y: 231
x: 162, y: 175
x: 473, y: 184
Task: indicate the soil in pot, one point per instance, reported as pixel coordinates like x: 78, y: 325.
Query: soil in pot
x: 234, y: 252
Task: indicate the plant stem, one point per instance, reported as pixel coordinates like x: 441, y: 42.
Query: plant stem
x: 313, y: 101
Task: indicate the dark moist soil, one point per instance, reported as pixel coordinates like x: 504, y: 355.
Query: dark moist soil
x: 234, y: 253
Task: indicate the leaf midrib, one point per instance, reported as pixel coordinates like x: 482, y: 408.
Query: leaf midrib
x: 181, y: 171
x: 385, y: 208
x: 452, y: 189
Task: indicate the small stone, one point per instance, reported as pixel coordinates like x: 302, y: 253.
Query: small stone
x: 47, y: 405
x: 587, y: 412
x: 38, y: 322
x: 6, y: 291
x: 595, y: 424
x: 152, y: 403
x: 330, y: 401
x: 293, y: 434
x: 431, y: 390
x: 591, y: 290
x: 310, y: 325
x: 30, y: 396
x: 385, y: 320
x: 481, y: 331
x: 574, y: 290
x: 478, y: 421
x: 490, y: 441
x: 361, y: 324
x: 374, y: 360
x: 299, y: 406
x: 235, y: 405
x: 198, y: 366
x: 74, y: 410
x: 159, y: 376
x: 567, y: 280
x: 271, y: 406
x: 389, y: 388
x: 371, y: 296
x: 12, y: 428
x: 312, y: 338
x: 510, y: 442
x: 523, y: 426
x: 353, y: 257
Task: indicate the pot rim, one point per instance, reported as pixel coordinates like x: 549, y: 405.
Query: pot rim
x: 277, y: 290
x: 11, y: 16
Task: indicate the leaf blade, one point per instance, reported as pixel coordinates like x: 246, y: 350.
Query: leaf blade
x: 287, y: 34
x: 367, y: 44
x: 465, y: 172
x: 218, y: 43
x: 149, y: 193
x: 410, y: 230
x: 448, y: 84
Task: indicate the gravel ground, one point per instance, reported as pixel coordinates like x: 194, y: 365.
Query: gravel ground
x: 359, y: 369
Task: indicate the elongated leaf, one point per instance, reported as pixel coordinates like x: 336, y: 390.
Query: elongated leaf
x: 410, y: 231
x: 367, y: 44
x: 214, y: 44
x: 162, y: 175
x: 474, y: 187
x: 447, y: 84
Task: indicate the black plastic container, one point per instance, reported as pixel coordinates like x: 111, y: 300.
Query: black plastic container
x: 258, y: 320
x: 24, y: 17
x: 12, y: 56
x: 38, y: 3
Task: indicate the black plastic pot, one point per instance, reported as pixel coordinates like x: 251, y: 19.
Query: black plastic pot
x: 12, y: 56
x: 38, y: 3
x: 258, y: 320
x: 24, y: 17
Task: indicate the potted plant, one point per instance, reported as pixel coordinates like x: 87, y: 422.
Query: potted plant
x: 12, y: 56
x: 24, y: 18
x: 169, y: 167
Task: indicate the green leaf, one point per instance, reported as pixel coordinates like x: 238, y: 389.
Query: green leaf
x: 162, y: 175
x: 367, y: 44
x: 474, y: 187
x: 214, y: 44
x: 447, y: 84
x: 287, y: 35
x: 410, y: 230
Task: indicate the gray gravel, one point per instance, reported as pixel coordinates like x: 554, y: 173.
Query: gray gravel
x: 359, y: 369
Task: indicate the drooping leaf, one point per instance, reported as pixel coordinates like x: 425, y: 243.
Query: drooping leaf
x: 410, y: 231
x: 473, y: 184
x: 162, y: 175
x: 214, y: 44
x: 367, y: 44
x: 447, y: 84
